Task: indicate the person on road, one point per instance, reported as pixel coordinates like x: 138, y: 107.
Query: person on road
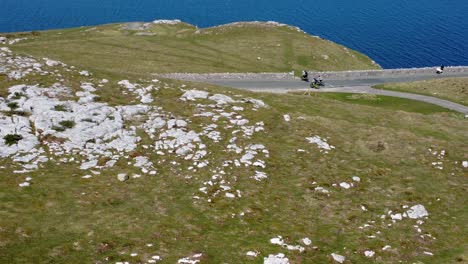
x: 440, y: 69
x: 305, y: 75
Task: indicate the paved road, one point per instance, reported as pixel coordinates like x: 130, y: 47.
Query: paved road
x: 344, y: 86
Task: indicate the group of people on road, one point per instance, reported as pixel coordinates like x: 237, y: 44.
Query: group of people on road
x: 315, y: 81
x: 318, y: 81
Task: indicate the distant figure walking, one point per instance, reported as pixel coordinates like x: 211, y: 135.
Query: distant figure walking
x: 440, y: 69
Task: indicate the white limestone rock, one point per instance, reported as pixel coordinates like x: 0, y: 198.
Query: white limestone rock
x: 306, y: 241
x: 20, y: 126
x: 190, y: 260
x: 321, y: 143
x: 256, y: 103
x: 192, y: 95
x: 222, y: 99
x: 417, y: 211
x: 122, y: 177
x: 85, y: 73
x: 279, y: 258
x: 345, y: 185
x: 338, y: 258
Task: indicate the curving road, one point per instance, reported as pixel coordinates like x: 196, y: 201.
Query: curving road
x: 342, y: 86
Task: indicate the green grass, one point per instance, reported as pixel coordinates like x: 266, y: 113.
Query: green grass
x: 452, y: 89
x: 386, y: 102
x: 63, y: 218
x: 183, y: 48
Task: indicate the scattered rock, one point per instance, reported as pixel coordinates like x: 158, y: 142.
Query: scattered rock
x: 279, y: 258
x: 192, y: 95
x: 84, y: 73
x: 24, y: 184
x: 190, y: 260
x: 417, y: 211
x: 345, y: 185
x: 465, y: 164
x: 306, y: 241
x: 260, y: 176
x: 338, y: 258
x: 322, y: 144
x: 396, y: 217
x: 122, y: 177
x: 253, y: 254
x: 280, y: 242
x: 369, y: 253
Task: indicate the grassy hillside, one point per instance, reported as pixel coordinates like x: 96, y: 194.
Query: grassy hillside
x: 159, y: 48
x: 215, y: 175
x: 452, y: 89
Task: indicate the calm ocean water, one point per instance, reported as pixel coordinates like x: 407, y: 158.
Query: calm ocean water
x: 398, y: 33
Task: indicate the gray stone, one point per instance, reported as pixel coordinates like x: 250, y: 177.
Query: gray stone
x: 122, y: 177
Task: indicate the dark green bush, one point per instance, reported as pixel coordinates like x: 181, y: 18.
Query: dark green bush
x: 13, y: 105
x: 12, y: 139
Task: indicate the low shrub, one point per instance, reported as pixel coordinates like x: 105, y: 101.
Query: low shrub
x: 13, y: 105
x: 12, y: 139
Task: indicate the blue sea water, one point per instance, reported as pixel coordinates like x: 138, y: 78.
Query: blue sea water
x: 398, y: 33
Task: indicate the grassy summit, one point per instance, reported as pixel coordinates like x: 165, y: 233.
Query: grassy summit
x: 147, y: 169
x: 141, y: 49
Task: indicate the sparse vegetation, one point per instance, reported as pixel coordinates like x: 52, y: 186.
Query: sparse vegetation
x: 88, y: 120
x: 61, y: 108
x: 17, y: 113
x: 64, y: 125
x: 12, y: 139
x: 17, y: 95
x: 13, y: 105
x: 58, y: 128
x: 67, y: 123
